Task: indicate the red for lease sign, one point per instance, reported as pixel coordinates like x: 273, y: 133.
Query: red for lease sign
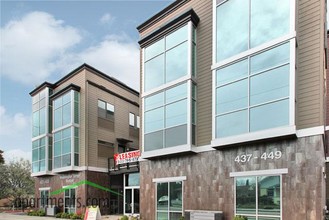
x: 127, y: 157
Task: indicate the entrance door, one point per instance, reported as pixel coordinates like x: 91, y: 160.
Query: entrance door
x: 131, y: 193
x: 131, y: 200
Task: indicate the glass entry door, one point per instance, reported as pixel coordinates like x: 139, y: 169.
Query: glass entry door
x: 132, y: 200
x: 131, y: 193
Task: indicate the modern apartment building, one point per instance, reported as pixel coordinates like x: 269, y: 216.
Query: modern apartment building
x: 233, y: 110
x: 79, y: 124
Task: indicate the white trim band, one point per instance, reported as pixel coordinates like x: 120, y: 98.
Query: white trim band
x: 169, y: 179
x: 44, y: 188
x: 259, y: 172
x: 310, y: 131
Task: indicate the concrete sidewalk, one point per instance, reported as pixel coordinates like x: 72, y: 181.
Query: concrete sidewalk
x: 7, y: 216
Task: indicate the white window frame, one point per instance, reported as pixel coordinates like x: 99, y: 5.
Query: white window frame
x: 188, y: 78
x: 168, y: 180
x: 290, y: 129
x: 44, y: 189
x: 274, y: 172
x: 75, y: 188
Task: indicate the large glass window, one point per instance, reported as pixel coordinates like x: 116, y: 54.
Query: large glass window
x: 39, y: 155
x: 250, y: 90
x: 165, y: 118
x: 167, y: 59
x: 242, y: 25
x: 258, y: 197
x: 66, y: 136
x: 39, y: 109
x: 169, y: 200
x: 170, y: 112
x: 62, y: 110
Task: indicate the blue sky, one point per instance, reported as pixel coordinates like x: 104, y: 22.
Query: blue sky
x: 45, y: 40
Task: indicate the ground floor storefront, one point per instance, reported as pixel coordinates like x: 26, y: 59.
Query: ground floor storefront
x: 73, y: 191
x: 273, y: 180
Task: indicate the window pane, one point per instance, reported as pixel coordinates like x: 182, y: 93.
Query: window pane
x: 35, y: 155
x: 35, y: 144
x: 175, y: 215
x: 66, y: 160
x: 35, y: 167
x: 42, y: 141
x: 269, y: 195
x: 154, y: 49
x: 58, y: 136
x: 154, y: 120
x: 154, y: 73
x: 268, y: 218
x: 153, y: 141
x: 176, y: 113
x: 246, y: 195
x: 76, y: 112
x: 154, y: 101
x: 66, y: 114
x: 138, y: 122
x: 66, y: 133
x: 133, y: 179
x: 42, y: 165
x: 131, y: 119
x: 35, y: 123
x: 176, y: 62
x: 176, y: 93
x: 176, y: 37
x: 268, y: 21
x: 109, y: 107
x: 57, y: 148
x: 57, y: 102
x: 162, y: 196
x: 76, y: 159
x: 66, y: 147
x: 58, y: 118
x: 278, y: 112
x: 67, y: 98
x: 232, y: 97
x: 193, y: 112
x: 270, y: 85
x: 101, y: 104
x: 162, y: 216
x: 271, y: 58
x: 232, y: 72
x: 57, y: 162
x: 176, y: 136
x: 232, y: 124
x: 42, y: 153
x: 175, y: 196
x: 232, y: 28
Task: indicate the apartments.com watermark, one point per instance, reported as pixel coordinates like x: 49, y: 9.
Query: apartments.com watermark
x: 76, y: 202
x: 61, y: 202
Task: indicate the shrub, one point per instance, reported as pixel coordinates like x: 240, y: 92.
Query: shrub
x: 41, y: 213
x: 75, y: 216
x: 58, y: 215
x: 240, y: 217
x: 124, y: 217
x: 65, y: 215
x: 182, y: 218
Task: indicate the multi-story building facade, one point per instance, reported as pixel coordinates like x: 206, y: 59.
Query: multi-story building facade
x: 80, y: 122
x: 233, y: 109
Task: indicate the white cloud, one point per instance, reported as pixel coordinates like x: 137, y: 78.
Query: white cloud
x: 106, y: 19
x: 38, y: 45
x: 12, y: 125
x: 31, y: 46
x: 116, y: 56
x: 16, y: 154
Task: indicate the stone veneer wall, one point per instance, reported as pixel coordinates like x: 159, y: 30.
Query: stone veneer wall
x: 209, y: 186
